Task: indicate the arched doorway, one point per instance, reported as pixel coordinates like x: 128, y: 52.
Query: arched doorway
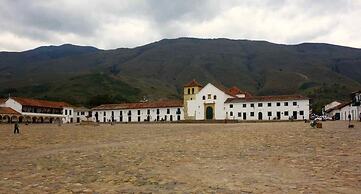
x: 260, y: 116
x: 209, y: 113
x: 27, y: 119
x: 6, y: 119
x: 57, y: 120
x: 34, y: 119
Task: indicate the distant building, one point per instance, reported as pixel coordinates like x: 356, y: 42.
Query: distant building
x: 35, y: 111
x: 171, y: 110
x: 199, y: 103
x: 343, y: 110
x: 82, y: 114
x: 212, y: 103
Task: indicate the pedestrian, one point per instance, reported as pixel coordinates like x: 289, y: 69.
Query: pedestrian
x: 349, y: 117
x: 16, y: 128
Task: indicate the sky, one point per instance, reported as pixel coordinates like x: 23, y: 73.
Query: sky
x: 110, y: 24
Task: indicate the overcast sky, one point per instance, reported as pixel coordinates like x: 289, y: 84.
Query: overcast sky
x: 109, y: 24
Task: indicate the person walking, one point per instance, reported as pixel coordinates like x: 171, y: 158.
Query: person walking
x: 16, y: 128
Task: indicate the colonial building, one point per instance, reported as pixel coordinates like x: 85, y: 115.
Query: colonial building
x: 82, y: 114
x: 199, y: 103
x: 344, y: 110
x: 139, y: 112
x: 35, y: 111
x: 212, y: 103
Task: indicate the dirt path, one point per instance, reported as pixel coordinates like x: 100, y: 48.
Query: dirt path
x: 191, y: 158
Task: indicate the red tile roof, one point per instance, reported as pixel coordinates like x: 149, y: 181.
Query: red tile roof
x: 140, y: 105
x: 267, y: 98
x: 2, y: 100
x: 40, y: 103
x: 233, y: 91
x: 8, y: 111
x: 193, y: 83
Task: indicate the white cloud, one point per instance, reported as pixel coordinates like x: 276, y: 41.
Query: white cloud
x: 113, y: 24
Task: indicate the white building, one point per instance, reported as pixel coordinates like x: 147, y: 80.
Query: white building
x: 81, y: 114
x: 37, y: 111
x: 139, y: 112
x: 268, y: 108
x: 344, y: 110
x: 212, y: 103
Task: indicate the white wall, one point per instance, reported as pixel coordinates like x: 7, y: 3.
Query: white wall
x: 354, y: 111
x: 82, y: 115
x: 233, y: 113
x: 106, y: 115
x: 68, y: 115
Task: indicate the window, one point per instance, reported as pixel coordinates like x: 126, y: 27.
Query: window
x: 294, y: 103
x: 178, y: 111
x: 286, y: 103
x: 231, y: 106
x: 214, y: 97
x: 121, y: 113
x: 77, y: 113
x: 260, y: 104
x: 157, y: 111
x: 239, y: 114
x: 82, y: 113
x: 105, y: 114
x: 269, y: 114
x: 278, y: 104
x: 191, y: 98
x: 301, y: 112
x: 148, y: 112
x: 189, y: 91
x: 286, y: 113
x: 231, y: 114
x: 204, y: 97
x: 252, y: 114
x: 269, y: 104
x: 129, y: 112
x: 244, y: 105
x: 138, y: 112
x: 252, y: 105
x: 112, y: 113
x: 192, y: 90
x: 209, y: 96
x: 168, y: 111
x: 138, y: 119
x: 66, y: 112
x: 69, y: 112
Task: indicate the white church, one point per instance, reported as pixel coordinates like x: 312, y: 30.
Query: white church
x: 212, y: 103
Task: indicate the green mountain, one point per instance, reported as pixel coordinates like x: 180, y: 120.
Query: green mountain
x: 89, y: 76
